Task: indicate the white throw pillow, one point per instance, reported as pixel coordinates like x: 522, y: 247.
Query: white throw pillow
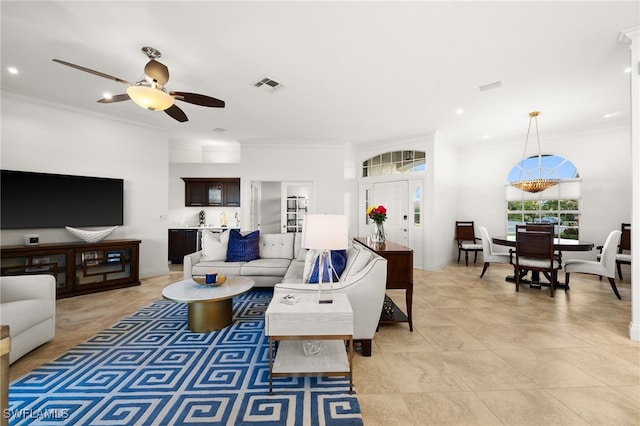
x: 300, y: 252
x: 309, y: 261
x: 214, y: 245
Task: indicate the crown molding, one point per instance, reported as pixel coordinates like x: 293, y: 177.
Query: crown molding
x: 627, y: 36
x: 77, y: 108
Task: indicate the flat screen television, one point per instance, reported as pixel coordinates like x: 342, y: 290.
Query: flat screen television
x: 43, y: 200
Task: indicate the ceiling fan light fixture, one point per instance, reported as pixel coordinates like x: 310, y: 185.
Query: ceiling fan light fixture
x: 150, y: 98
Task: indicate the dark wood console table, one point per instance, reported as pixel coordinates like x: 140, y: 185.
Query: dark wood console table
x: 399, y: 276
x: 78, y: 267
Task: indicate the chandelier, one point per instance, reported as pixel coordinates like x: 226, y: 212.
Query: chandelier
x: 533, y: 180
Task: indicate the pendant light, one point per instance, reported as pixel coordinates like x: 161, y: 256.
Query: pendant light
x: 536, y: 179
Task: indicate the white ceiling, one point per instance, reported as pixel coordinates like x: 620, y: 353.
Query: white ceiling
x: 352, y: 71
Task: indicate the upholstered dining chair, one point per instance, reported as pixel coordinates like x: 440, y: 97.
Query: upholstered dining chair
x: 605, y: 266
x: 535, y: 252
x: 467, y: 241
x: 488, y: 255
x: 623, y: 257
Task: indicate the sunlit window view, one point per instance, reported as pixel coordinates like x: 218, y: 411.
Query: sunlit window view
x: 417, y: 213
x: 552, y: 166
x: 394, y: 162
x: 563, y: 213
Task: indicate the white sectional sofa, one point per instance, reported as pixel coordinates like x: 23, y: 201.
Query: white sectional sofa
x: 276, y: 253
x: 28, y: 307
x: 284, y: 265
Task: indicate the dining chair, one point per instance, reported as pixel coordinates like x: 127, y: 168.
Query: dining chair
x: 535, y: 252
x: 467, y: 241
x: 488, y: 255
x: 539, y: 227
x: 605, y: 266
x: 623, y: 257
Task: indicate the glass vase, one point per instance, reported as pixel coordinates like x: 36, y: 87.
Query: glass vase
x: 378, y: 235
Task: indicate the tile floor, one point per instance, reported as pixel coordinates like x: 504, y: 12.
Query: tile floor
x: 480, y: 353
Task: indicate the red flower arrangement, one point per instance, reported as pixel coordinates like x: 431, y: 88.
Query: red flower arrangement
x: 377, y: 213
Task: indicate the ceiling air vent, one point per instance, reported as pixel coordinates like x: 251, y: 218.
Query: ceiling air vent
x: 268, y: 85
x: 490, y: 86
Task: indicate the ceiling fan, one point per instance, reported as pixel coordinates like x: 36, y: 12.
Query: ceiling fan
x: 149, y: 92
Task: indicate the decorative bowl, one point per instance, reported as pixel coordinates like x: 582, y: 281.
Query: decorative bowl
x: 91, y: 236
x: 202, y: 280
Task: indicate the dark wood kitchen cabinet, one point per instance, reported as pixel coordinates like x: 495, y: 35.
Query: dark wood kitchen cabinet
x: 204, y: 192
x: 181, y: 243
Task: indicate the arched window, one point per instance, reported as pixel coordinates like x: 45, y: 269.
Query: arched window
x: 553, y: 166
x: 394, y: 162
x: 558, y: 205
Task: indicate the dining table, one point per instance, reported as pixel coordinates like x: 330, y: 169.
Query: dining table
x: 559, y: 245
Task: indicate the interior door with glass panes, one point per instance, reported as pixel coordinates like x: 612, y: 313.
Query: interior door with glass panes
x: 295, y: 203
x: 394, y: 196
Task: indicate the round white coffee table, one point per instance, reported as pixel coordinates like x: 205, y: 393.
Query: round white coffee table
x: 208, y: 308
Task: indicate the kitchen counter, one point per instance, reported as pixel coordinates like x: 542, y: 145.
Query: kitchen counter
x: 208, y: 228
x: 185, y: 239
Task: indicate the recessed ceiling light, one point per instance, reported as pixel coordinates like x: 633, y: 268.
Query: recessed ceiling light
x: 485, y: 137
x: 609, y: 115
x: 627, y: 70
x: 459, y: 111
x: 12, y: 70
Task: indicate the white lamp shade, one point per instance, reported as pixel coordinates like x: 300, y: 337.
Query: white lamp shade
x: 324, y: 232
x: 150, y: 98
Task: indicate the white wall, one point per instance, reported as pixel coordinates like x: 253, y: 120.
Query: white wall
x: 43, y: 137
x: 440, y: 203
x: 322, y: 164
x: 603, y: 160
x: 271, y: 207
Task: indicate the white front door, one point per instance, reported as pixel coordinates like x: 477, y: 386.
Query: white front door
x: 395, y: 197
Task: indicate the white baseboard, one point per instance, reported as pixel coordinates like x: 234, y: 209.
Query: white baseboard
x: 634, y: 332
x: 154, y: 273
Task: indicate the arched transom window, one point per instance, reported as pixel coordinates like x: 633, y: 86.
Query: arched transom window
x: 394, y: 162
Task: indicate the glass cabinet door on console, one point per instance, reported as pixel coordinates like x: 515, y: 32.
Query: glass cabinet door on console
x: 53, y: 263
x: 95, y: 267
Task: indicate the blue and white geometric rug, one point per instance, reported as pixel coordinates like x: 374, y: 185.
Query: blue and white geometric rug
x: 149, y: 369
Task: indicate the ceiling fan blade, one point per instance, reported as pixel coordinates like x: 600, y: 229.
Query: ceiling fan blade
x: 176, y: 113
x: 195, y: 98
x: 94, y: 72
x: 116, y: 98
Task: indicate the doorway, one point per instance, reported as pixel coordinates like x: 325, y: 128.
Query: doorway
x: 404, y: 201
x: 278, y: 207
x: 395, y: 197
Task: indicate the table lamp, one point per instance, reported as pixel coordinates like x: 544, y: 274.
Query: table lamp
x: 324, y: 232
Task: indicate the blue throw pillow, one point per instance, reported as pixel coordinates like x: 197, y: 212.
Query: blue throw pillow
x: 339, y: 261
x: 243, y: 248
